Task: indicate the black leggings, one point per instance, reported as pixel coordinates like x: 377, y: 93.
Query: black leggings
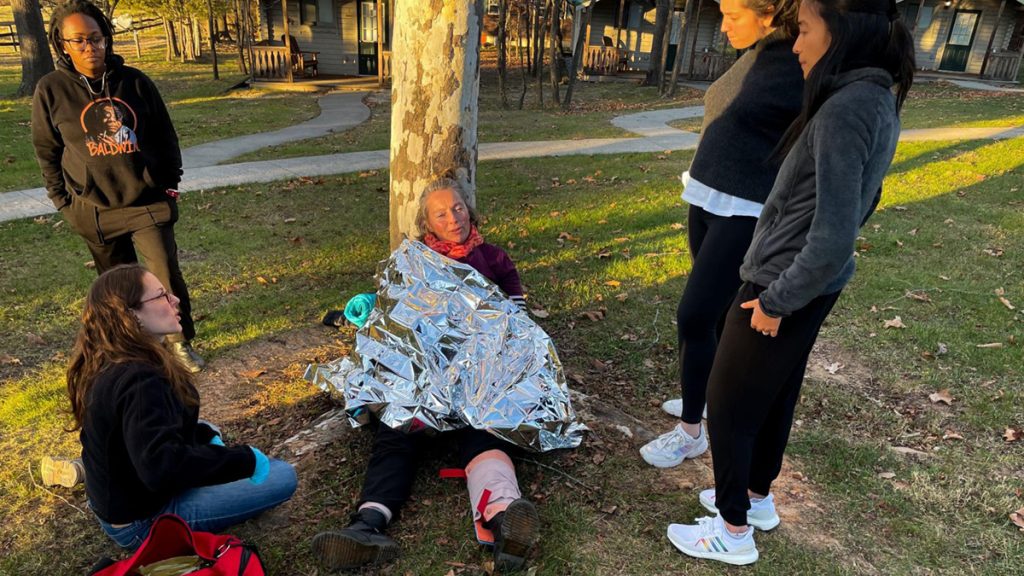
x: 717, y: 245
x: 752, y: 392
x: 395, y: 456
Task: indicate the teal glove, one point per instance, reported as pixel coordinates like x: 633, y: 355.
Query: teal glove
x: 216, y: 441
x: 358, y: 309
x: 262, y: 471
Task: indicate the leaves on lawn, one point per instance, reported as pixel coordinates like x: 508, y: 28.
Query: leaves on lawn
x: 252, y: 373
x: 833, y: 367
x: 907, y: 451
x: 613, y: 283
x: 1001, y: 294
x: 1012, y: 434
x: 942, y: 396
x: 540, y: 312
x: 896, y: 322
x: 990, y: 345
x: 1018, y: 518
x: 594, y: 315
x: 35, y: 339
x: 918, y: 295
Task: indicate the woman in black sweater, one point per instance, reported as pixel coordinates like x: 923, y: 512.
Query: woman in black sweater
x: 746, y: 112
x: 144, y: 449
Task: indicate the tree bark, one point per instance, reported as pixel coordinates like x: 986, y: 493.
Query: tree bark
x: 656, y: 70
x: 36, y: 60
x: 677, y: 65
x: 434, y: 92
x: 554, y: 9
x: 577, y: 55
x: 213, y: 39
x: 695, y: 19
x: 538, y: 66
x: 503, y: 51
x: 665, y: 43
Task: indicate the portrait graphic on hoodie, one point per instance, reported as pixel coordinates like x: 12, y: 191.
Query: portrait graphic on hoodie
x: 109, y: 125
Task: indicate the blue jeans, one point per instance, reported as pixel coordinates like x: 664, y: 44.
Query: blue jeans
x: 214, y: 508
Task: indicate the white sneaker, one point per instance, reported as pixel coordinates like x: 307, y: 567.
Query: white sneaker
x: 674, y: 446
x: 710, y: 539
x: 761, y: 515
x: 674, y: 407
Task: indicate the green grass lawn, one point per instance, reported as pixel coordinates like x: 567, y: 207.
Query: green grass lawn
x: 203, y: 109
x: 949, y: 236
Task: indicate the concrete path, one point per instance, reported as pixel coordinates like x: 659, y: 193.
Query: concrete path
x: 338, y: 111
x: 656, y: 136
x: 974, y: 85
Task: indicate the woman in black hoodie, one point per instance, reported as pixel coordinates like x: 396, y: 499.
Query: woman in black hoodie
x: 109, y: 156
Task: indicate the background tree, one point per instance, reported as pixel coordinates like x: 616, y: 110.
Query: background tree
x: 434, y: 92
x: 36, y: 60
x: 663, y: 14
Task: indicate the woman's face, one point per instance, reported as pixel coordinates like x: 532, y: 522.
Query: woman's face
x: 447, y: 216
x: 158, y: 309
x: 743, y: 26
x: 813, y: 40
x: 84, y: 42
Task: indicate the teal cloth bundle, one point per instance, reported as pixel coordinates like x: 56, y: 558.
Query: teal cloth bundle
x: 358, y: 309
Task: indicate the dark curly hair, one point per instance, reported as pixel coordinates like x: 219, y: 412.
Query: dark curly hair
x: 85, y: 8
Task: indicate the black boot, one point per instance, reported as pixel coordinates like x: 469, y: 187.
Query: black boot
x: 360, y: 544
x: 183, y: 350
x: 516, y: 530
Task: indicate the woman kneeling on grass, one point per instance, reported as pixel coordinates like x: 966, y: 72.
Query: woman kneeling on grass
x: 144, y: 450
x: 854, y: 53
x: 448, y: 226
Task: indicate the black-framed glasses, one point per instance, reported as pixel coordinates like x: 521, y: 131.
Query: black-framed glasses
x: 166, y: 295
x: 79, y: 44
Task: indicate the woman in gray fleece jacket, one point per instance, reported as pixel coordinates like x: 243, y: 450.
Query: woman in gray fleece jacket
x: 858, y: 61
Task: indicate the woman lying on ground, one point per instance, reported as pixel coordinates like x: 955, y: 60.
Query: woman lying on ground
x: 746, y: 112
x: 448, y: 226
x: 144, y: 450
x: 855, y: 54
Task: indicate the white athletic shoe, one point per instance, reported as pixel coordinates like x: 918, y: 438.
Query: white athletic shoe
x: 674, y: 446
x: 710, y: 539
x: 674, y: 407
x: 761, y: 515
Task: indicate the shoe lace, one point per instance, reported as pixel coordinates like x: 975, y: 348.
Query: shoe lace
x: 707, y: 527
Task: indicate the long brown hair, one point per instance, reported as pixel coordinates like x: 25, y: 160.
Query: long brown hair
x: 111, y: 334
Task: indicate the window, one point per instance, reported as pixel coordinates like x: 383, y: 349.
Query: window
x: 492, y: 7
x: 325, y: 11
x: 909, y: 16
x: 307, y: 12
x: 368, y: 22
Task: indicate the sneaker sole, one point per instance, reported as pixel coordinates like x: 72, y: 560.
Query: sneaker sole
x: 58, y: 472
x: 519, y: 530
x: 734, y: 559
x: 762, y: 525
x: 337, y: 551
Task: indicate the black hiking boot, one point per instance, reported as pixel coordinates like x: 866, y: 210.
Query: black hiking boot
x: 361, y: 543
x: 516, y: 530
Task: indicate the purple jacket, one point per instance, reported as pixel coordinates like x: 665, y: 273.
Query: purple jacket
x: 495, y: 264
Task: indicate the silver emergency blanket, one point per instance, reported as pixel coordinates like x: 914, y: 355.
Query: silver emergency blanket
x: 444, y: 348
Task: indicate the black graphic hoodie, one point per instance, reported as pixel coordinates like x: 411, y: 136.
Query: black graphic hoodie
x: 109, y: 142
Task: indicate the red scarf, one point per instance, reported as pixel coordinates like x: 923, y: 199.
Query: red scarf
x: 454, y: 250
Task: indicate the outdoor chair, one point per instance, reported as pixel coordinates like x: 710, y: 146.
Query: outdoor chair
x: 304, y: 63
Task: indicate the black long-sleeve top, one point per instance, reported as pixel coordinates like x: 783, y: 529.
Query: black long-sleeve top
x: 109, y: 142
x: 141, y: 446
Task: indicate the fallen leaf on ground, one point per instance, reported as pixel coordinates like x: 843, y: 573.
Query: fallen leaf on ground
x: 1001, y: 294
x: 990, y: 345
x: 613, y: 283
x: 593, y: 315
x: 8, y: 360
x: 887, y: 475
x: 252, y: 373
x: 1012, y: 434
x: 1018, y: 518
x: 90, y: 265
x: 35, y: 340
x: 622, y: 296
x: 833, y: 367
x: 942, y: 349
x: 676, y: 226
x: 289, y: 220
x: 539, y: 312
x: 906, y: 451
x: 610, y: 509
x: 919, y: 295
x: 941, y: 396
x: 896, y: 322
x: 951, y: 435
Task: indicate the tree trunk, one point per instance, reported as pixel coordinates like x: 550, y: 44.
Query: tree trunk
x: 554, y: 8
x: 656, y: 70
x: 677, y: 65
x: 503, y: 51
x: 695, y: 19
x: 36, y: 60
x: 239, y: 27
x: 666, y: 43
x: 538, y: 63
x: 213, y: 39
x: 434, y: 92
x: 577, y: 55
x: 524, y: 62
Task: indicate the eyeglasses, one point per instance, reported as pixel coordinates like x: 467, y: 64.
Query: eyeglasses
x: 79, y: 44
x: 165, y: 295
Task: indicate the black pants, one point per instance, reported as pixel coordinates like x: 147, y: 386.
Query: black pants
x: 395, y: 456
x: 717, y: 247
x: 752, y: 392
x: 119, y: 235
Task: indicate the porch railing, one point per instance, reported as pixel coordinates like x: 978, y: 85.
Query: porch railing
x: 1003, y: 66
x: 271, y: 62
x: 604, y: 60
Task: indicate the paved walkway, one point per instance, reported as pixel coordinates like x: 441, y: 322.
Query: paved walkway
x: 652, y: 127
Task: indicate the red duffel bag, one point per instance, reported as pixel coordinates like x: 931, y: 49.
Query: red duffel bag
x: 172, y: 543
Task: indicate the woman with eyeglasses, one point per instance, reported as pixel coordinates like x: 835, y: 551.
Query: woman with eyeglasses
x: 109, y: 156
x: 144, y: 449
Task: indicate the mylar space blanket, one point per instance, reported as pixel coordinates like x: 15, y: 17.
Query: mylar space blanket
x: 444, y: 348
